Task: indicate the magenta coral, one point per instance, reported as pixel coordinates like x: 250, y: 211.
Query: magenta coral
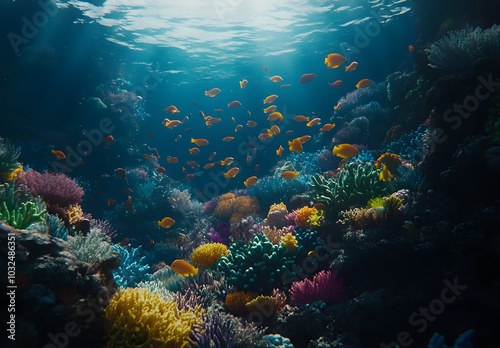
x: 57, y: 190
x: 326, y: 286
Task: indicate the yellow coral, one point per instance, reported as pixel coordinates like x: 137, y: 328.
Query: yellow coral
x: 262, y: 304
x: 236, y: 301
x: 236, y: 208
x: 225, y: 205
x: 315, y: 220
x: 274, y: 234
x: 303, y: 215
x: 139, y: 318
x: 391, y: 160
x: 75, y: 213
x: 277, y: 207
x: 13, y: 174
x: 207, y: 255
x: 289, y: 241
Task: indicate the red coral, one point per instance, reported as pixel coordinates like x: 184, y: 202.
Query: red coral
x: 58, y: 191
x: 326, y: 286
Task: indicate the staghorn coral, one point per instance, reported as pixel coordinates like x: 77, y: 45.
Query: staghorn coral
x: 139, y: 318
x: 289, y: 241
x: 325, y: 286
x: 58, y: 191
x: 132, y: 269
x: 9, y: 166
x: 206, y: 255
x: 18, y: 208
x: 303, y: 214
x: 236, y: 301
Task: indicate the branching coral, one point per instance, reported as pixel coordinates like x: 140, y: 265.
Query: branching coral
x: 9, y: 166
x: 325, y: 286
x: 18, y: 208
x: 206, y: 255
x: 57, y: 190
x: 139, y: 318
x: 132, y: 269
x: 94, y: 247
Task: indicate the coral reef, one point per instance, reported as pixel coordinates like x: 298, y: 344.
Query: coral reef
x: 289, y: 241
x: 206, y: 255
x: 236, y: 301
x: 18, y: 208
x: 132, y: 269
x: 236, y: 208
x: 302, y: 216
x: 138, y: 317
x: 325, y: 286
x: 95, y: 247
x: 276, y: 217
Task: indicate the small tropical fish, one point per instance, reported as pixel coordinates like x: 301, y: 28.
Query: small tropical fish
x: 307, y: 78
x: 364, y: 83
x: 269, y: 109
x: 334, y: 60
x: 194, y: 151
x: 266, y: 69
x: 58, y: 154
x: 288, y: 175
x: 279, y: 151
x: 273, y: 116
x: 171, y: 124
x: 264, y: 136
x: 172, y: 159
x: 161, y: 170
x: 218, y: 110
x: 304, y: 139
x: 313, y: 122
x: 338, y: 106
x: 234, y: 104
x: 295, y: 145
x: 231, y: 173
x: 385, y: 174
x: 276, y: 78
x: 199, y: 142
x: 227, y: 161
x: 185, y: 119
x: 183, y: 268
x: 166, y: 222
x: 108, y: 140
x: 411, y: 48
x: 212, y: 92
x: 172, y: 109
x: 301, y: 118
x: 228, y: 139
x: 249, y: 113
x: 193, y: 165
x: 250, y: 181
x: 327, y: 127
x: 337, y: 83
x: 351, y: 67
x: 256, y: 168
x: 345, y: 150
x: 285, y: 85
x: 243, y: 83
x: 238, y: 128
x: 209, y: 165
x: 271, y: 98
x: 251, y: 124
x: 212, y: 156
x: 275, y: 130
x: 111, y: 202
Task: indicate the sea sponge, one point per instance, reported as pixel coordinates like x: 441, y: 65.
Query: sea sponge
x: 139, y: 318
x: 303, y: 215
x: 276, y: 217
x: 289, y: 241
x: 75, y: 213
x: 391, y: 160
x: 236, y: 301
x: 206, y: 255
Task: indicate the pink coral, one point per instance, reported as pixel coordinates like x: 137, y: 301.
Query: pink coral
x: 58, y: 191
x: 326, y: 286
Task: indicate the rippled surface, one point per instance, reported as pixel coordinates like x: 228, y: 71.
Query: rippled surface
x: 215, y: 33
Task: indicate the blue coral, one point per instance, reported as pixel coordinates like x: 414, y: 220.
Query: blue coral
x: 463, y: 341
x: 132, y: 269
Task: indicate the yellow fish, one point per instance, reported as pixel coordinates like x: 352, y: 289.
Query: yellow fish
x: 275, y: 116
x: 279, y: 151
x: 183, y: 268
x: 269, y: 109
x: 199, y: 142
x: 327, y: 127
x: 345, y: 150
x: 276, y: 78
x: 351, y: 67
x: 172, y: 109
x: 228, y: 138
x: 385, y: 174
x: 166, y: 222
x: 334, y: 60
x: 295, y: 145
x: 275, y: 130
x: 243, y: 83
x: 269, y: 99
x: 250, y: 181
x: 231, y: 173
x: 301, y: 118
x: 288, y: 175
x: 338, y: 106
x: 364, y: 83
x: 313, y: 122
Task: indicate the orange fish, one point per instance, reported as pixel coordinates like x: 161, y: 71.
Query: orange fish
x: 301, y: 118
x: 288, y: 174
x: 199, y: 142
x: 166, y: 222
x: 273, y: 116
x: 276, y: 78
x: 161, y: 170
x: 327, y: 127
x: 285, y: 85
x: 212, y: 92
x: 234, y: 104
x: 364, y: 83
x: 275, y: 130
x: 251, y: 124
x: 337, y: 83
x: 269, y: 109
x: 128, y: 205
x: 338, y: 106
x: 307, y: 78
x: 231, y: 173
x: 172, y: 159
x: 172, y: 109
x: 411, y: 48
x: 304, y: 139
x: 345, y: 150
x: 250, y: 181
x: 295, y: 145
x: 209, y: 165
x: 171, y: 124
x: 334, y: 60
x: 183, y: 268
x: 227, y: 161
x: 313, y: 122
x: 269, y: 99
x: 193, y: 165
x: 109, y: 139
x: 238, y: 128
x: 58, y: 154
x: 194, y: 151
x: 351, y: 67
x: 228, y: 139
x: 111, y: 202
x: 212, y: 156
x: 264, y: 136
x: 279, y: 151
x: 243, y: 83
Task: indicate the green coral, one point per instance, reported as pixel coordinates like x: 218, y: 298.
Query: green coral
x: 8, y: 158
x: 356, y: 183
x: 258, y: 266
x: 18, y: 208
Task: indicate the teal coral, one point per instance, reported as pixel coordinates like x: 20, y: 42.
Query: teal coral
x: 18, y: 208
x: 93, y: 247
x: 356, y: 184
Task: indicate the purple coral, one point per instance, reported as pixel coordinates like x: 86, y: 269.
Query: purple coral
x: 57, y: 190
x: 221, y: 233
x: 209, y: 206
x: 326, y: 286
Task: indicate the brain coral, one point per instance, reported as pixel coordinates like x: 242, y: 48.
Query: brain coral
x: 207, y: 255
